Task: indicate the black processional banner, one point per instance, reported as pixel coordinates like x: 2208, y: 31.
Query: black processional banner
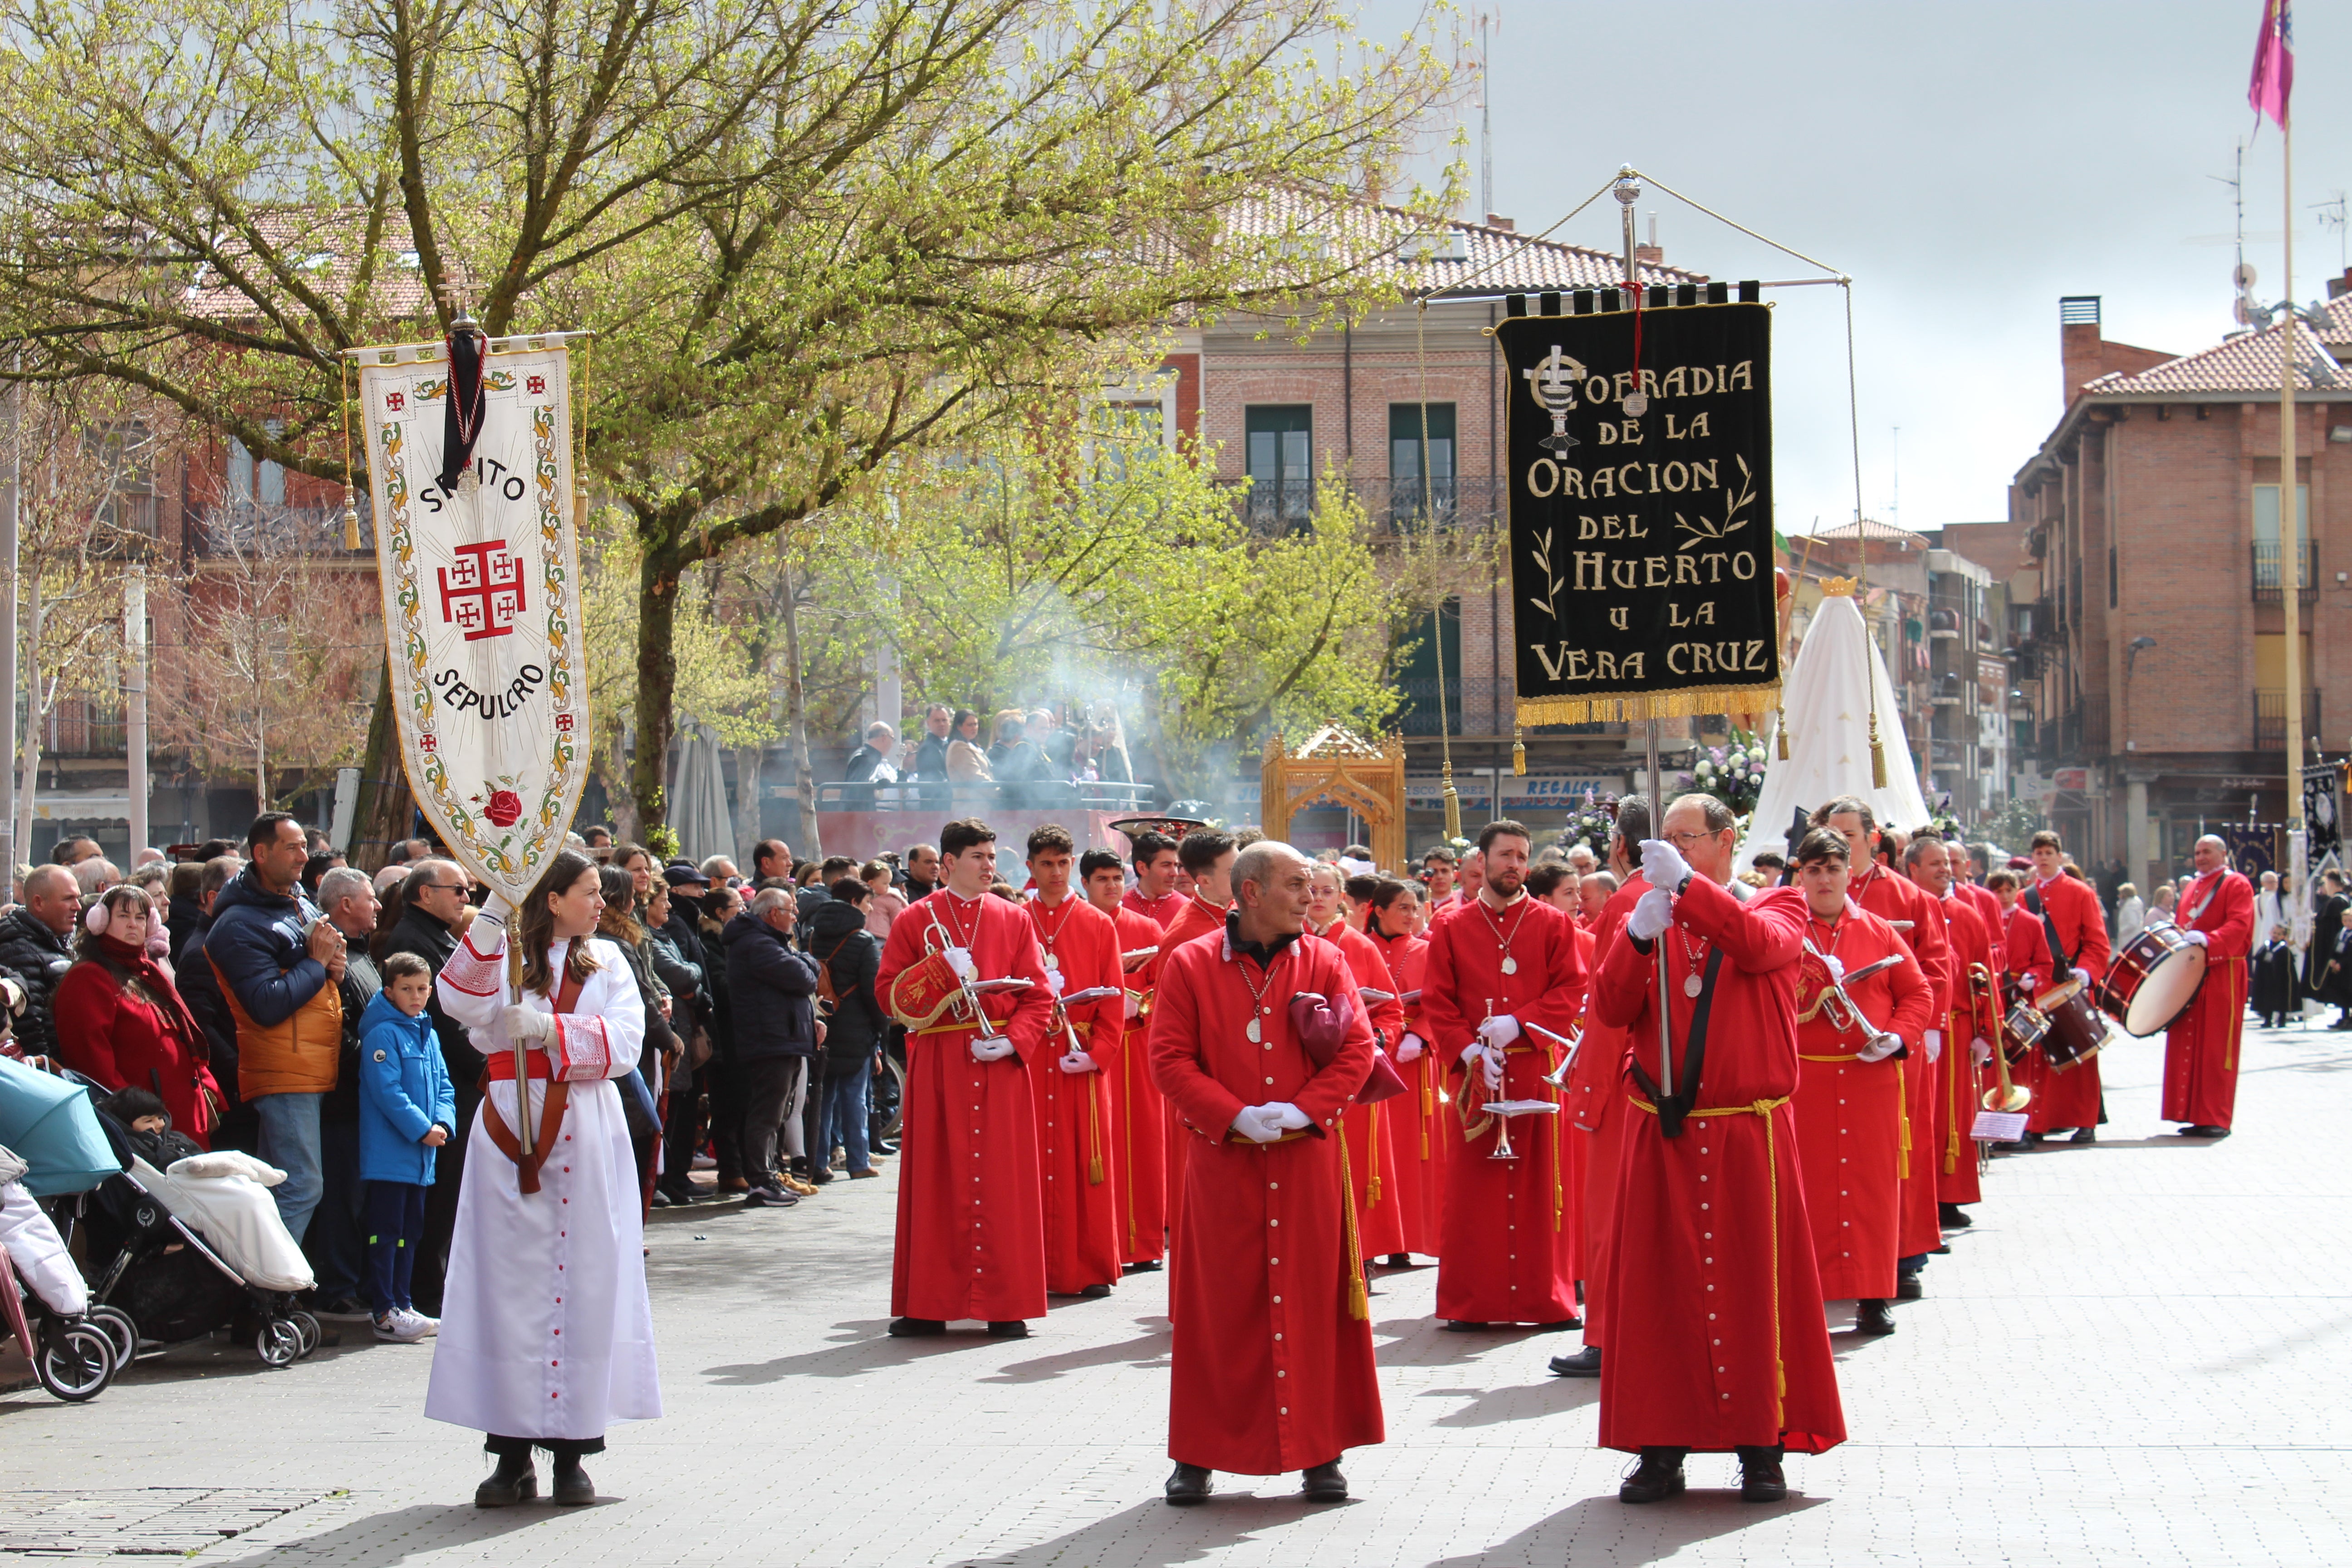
x: 1642, y: 567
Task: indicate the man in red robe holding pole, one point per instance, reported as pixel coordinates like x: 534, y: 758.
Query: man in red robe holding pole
x: 1080, y: 945
x: 2068, y: 1098
x: 2200, y: 1050
x: 961, y: 972
x: 1138, y: 1171
x: 1716, y: 1336
x: 1850, y: 1091
x: 1503, y: 988
x: 1259, y: 1042
x: 1595, y: 1099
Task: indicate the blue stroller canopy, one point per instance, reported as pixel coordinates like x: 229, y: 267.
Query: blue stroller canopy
x: 52, y: 1124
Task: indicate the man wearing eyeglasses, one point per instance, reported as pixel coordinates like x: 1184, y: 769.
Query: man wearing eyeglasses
x: 435, y: 914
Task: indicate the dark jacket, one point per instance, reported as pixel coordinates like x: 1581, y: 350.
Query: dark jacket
x: 774, y: 988
x: 39, y: 957
x: 867, y: 764
x: 931, y: 757
x: 837, y: 938
x: 434, y: 942
x: 187, y: 919
x: 715, y: 989
x: 659, y: 1039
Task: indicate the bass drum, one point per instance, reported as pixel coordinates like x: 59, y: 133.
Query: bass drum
x: 2155, y: 978
x: 2077, y: 1029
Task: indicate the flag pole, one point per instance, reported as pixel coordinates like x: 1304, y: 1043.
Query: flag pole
x: 2291, y: 547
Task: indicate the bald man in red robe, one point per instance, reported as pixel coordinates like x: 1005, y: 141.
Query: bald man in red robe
x: 2069, y: 1096
x: 1504, y: 974
x: 1850, y: 1091
x: 971, y: 1229
x: 1715, y: 1340
x: 1138, y: 1171
x: 1272, y: 1367
x: 2200, y: 1050
x: 1079, y: 947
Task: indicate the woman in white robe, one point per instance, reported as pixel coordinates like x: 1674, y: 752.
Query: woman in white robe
x: 546, y: 1333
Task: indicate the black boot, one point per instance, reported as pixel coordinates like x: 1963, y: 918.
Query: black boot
x: 573, y: 1486
x: 1659, y: 1475
x: 1952, y: 1216
x: 1324, y: 1483
x: 513, y: 1482
x: 1188, y: 1484
x: 1873, y: 1318
x: 1585, y: 1362
x: 1008, y: 1329
x: 1759, y: 1476
x: 915, y: 1328
x: 2085, y: 1135
x: 1908, y: 1287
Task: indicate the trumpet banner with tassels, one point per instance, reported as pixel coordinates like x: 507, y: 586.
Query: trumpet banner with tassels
x: 1640, y: 485
x: 481, y: 593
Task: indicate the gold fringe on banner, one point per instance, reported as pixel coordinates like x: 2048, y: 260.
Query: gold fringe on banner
x: 1635, y: 707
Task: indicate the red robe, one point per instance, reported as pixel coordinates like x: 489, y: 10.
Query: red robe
x: 2071, y: 1098
x: 972, y: 1228
x: 1075, y: 1129
x: 1380, y: 1204
x: 1987, y: 904
x: 1958, y: 1081
x: 1851, y: 1128
x: 1507, y: 1253
x: 1596, y: 1104
x: 1139, y: 1169
x: 1272, y: 1368
x: 2200, y: 1051
x: 1158, y: 910
x: 2026, y: 952
x: 1709, y: 1286
x: 1891, y: 896
x: 1416, y: 1152
x: 1198, y: 918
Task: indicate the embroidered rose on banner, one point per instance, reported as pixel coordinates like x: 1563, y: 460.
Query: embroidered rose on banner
x: 505, y: 809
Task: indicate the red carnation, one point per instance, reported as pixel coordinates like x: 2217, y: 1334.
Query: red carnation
x: 505, y: 809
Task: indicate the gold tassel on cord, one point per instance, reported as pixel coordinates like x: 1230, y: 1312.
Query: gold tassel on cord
x: 1453, y: 809
x: 1518, y: 759
x: 1877, y: 756
x: 1780, y: 735
x: 350, y: 522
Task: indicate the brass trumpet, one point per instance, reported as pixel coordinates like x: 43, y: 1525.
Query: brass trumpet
x: 2008, y: 1097
x: 1557, y: 1076
x: 1839, y: 1007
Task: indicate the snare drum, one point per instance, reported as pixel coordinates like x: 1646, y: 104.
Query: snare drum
x: 2156, y: 976
x: 2025, y: 1029
x: 2077, y: 1029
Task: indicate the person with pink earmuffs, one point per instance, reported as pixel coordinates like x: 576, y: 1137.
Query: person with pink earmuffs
x: 120, y: 1018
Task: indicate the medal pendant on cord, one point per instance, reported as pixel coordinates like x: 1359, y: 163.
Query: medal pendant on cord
x: 1693, y: 985
x: 1254, y: 1034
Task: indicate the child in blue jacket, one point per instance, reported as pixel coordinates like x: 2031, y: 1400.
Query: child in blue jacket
x: 407, y: 1111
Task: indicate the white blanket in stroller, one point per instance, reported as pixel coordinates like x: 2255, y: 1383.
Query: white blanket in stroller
x: 39, y: 1252
x: 238, y: 1218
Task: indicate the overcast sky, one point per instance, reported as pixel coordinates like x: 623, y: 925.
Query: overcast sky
x: 1966, y: 164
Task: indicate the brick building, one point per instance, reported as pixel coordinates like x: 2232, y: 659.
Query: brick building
x: 2152, y: 648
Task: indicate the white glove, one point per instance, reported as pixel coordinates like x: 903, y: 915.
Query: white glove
x: 1054, y: 981
x: 495, y: 909
x: 2199, y: 937
x: 960, y: 960
x: 1286, y: 1116
x: 1258, y: 1123
x: 1134, y: 1006
x: 1077, y: 1062
x: 1490, y: 1067
x: 1662, y: 865
x: 1410, y: 1049
x: 995, y: 1048
x: 1472, y: 1049
x: 1836, y: 966
x: 1499, y: 1031
x: 526, y: 1025
x: 1934, y: 1041
x: 1881, y: 1046
x: 1654, y: 912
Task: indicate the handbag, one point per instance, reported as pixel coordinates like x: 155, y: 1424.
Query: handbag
x: 1320, y: 1026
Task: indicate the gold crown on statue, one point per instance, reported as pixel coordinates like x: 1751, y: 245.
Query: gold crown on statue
x: 1839, y: 588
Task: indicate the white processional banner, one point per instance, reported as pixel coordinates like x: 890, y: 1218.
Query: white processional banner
x: 482, y: 601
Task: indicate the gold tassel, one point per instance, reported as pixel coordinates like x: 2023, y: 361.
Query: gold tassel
x: 350, y: 522
x: 1518, y: 758
x: 1453, y: 809
x: 1360, y: 1296
x: 1780, y: 735
x: 1877, y: 754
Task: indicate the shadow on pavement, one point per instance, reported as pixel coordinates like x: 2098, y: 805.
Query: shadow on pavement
x: 382, y: 1540
x: 865, y: 1348
x: 1602, y: 1528
x: 1151, y: 1535
x: 1146, y: 1351
x: 1516, y: 1401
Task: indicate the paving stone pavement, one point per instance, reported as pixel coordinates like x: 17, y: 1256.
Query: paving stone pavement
x: 2139, y: 1354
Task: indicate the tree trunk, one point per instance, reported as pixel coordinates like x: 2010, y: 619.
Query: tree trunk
x: 796, y: 716
x: 385, y: 808
x: 656, y: 687
x: 32, y: 721
x: 616, y: 795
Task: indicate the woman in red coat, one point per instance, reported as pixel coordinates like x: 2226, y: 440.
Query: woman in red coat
x: 120, y: 1021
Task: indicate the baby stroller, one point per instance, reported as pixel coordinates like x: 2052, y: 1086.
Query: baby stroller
x: 43, y: 1301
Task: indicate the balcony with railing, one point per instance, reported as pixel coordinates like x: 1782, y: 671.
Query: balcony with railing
x: 1395, y: 507
x: 2270, y: 572
x: 254, y: 529
x: 2270, y: 719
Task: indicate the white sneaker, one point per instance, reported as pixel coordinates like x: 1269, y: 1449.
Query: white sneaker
x: 400, y: 1327
x: 431, y: 1326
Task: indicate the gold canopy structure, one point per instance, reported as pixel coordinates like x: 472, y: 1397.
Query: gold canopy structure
x: 1338, y: 765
